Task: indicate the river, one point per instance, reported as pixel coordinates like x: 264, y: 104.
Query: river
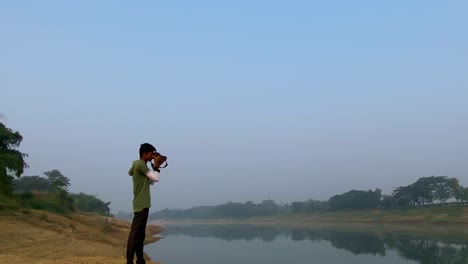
x: 281, y: 243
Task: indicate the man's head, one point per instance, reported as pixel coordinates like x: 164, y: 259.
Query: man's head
x: 147, y: 151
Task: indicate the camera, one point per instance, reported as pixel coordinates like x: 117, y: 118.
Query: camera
x: 163, y: 158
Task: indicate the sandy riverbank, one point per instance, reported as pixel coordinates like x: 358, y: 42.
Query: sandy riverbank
x: 30, y: 236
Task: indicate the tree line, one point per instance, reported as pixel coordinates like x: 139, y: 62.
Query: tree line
x: 426, y: 191
x: 55, y: 183
x: 49, y: 193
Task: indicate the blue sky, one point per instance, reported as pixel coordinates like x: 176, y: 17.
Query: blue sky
x: 288, y: 100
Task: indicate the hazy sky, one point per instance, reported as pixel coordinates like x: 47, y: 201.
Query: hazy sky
x: 251, y: 100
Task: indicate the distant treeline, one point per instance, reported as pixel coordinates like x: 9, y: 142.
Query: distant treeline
x: 425, y: 191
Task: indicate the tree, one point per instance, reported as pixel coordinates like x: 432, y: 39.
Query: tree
x: 403, y: 196
x: 465, y: 195
x: 90, y: 203
x: 426, y: 190
x: 423, y: 190
x: 11, y: 160
x: 455, y: 187
x: 459, y: 193
x: 356, y: 200
x: 59, y: 182
x: 32, y: 183
x: 445, y: 188
x: 268, y: 207
x: 387, y: 201
x: 298, y: 207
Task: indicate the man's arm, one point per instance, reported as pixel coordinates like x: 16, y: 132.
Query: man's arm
x: 153, y: 176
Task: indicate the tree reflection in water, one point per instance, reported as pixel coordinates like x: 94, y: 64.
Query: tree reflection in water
x: 423, y: 250
x: 429, y: 251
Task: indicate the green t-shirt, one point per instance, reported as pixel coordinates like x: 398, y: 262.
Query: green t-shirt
x: 141, y: 186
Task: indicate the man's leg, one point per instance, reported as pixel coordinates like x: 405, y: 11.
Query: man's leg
x: 141, y: 236
x: 133, y: 236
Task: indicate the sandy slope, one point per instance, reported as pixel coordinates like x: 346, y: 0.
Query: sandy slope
x: 30, y: 236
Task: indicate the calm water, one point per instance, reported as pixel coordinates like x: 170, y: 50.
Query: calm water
x: 259, y: 244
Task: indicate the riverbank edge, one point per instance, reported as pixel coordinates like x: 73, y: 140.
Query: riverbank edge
x: 33, y: 236
x: 414, y: 216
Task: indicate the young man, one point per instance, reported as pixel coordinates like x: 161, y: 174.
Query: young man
x: 142, y: 179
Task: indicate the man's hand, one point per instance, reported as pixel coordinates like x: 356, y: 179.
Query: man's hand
x: 158, y: 160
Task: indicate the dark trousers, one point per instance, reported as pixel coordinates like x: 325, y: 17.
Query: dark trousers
x: 137, y: 237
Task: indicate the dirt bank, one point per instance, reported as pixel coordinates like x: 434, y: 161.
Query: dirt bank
x: 30, y: 236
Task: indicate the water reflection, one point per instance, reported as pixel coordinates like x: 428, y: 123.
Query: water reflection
x: 429, y: 251
x: 423, y: 249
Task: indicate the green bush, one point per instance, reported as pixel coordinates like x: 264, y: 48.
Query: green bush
x: 7, y: 202
x: 27, y: 196
x: 46, y: 202
x: 48, y: 205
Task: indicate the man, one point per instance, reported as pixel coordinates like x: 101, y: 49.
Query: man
x: 142, y: 179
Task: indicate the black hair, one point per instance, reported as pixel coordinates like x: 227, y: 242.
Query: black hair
x: 145, y: 148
